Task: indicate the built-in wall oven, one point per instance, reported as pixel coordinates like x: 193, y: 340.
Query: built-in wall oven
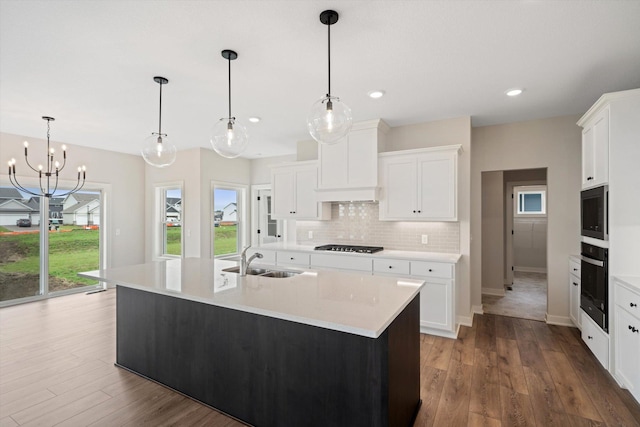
x: 594, y: 206
x: 594, y: 294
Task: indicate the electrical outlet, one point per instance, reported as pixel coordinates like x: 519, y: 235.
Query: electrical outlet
x: 117, y: 231
x: 425, y: 239
x: 311, y: 234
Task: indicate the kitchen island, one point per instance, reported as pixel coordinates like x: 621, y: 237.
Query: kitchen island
x: 318, y: 348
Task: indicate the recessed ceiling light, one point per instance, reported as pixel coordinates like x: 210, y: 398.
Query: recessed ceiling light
x: 514, y: 92
x: 254, y: 119
x: 375, y: 94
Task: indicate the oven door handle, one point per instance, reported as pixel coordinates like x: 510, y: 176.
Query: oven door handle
x: 592, y: 261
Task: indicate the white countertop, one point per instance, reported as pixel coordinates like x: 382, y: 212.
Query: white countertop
x: 632, y: 281
x: 355, y: 303
x: 410, y: 255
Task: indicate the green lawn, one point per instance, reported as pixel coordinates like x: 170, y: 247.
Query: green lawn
x: 225, y: 240
x: 69, y: 253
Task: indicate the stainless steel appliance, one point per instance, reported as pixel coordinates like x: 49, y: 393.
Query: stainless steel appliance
x: 594, y: 294
x: 349, y: 248
x: 594, y: 207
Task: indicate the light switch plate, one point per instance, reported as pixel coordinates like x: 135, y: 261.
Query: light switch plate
x: 310, y: 234
x: 425, y: 239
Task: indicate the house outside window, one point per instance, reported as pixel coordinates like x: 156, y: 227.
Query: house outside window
x: 530, y: 201
x: 169, y: 216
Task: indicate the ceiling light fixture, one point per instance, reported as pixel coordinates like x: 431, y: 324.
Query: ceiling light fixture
x: 514, y: 92
x: 229, y: 139
x: 254, y: 119
x: 375, y: 94
x: 51, y: 170
x: 329, y: 119
x: 157, y: 150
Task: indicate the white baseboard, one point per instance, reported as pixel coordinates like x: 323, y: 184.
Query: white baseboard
x: 466, y: 320
x: 477, y: 309
x: 530, y: 269
x: 558, y: 320
x: 493, y: 291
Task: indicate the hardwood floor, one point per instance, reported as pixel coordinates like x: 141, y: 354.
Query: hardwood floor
x: 56, y: 368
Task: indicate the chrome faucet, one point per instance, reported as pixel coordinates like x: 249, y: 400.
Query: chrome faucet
x: 244, y: 263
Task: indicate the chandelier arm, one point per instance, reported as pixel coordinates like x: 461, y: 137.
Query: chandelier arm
x: 29, y: 164
x: 64, y: 163
x: 15, y: 183
x: 54, y: 188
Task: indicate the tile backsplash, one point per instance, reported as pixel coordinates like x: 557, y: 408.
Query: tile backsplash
x: 357, y: 223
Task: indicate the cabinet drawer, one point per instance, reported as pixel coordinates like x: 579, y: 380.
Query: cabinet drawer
x: 628, y: 300
x: 292, y: 258
x: 343, y: 262
x: 596, y: 339
x: 574, y: 267
x: 431, y: 269
x: 392, y: 266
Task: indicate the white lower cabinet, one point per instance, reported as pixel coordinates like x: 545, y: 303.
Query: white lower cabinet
x: 574, y: 292
x: 627, y: 337
x: 596, y: 339
x: 437, y: 297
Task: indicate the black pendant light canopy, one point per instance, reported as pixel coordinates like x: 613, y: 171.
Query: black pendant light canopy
x: 330, y: 119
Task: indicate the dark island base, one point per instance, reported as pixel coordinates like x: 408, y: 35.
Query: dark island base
x: 271, y: 372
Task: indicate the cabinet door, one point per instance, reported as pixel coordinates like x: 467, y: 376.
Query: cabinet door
x: 587, y: 157
x: 437, y: 186
x: 436, y: 304
x: 399, y: 176
x: 306, y: 206
x: 333, y: 164
x: 282, y: 185
x: 627, y: 350
x: 601, y: 148
x: 574, y: 300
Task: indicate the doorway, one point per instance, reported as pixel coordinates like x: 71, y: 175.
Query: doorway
x: 514, y: 243
x: 265, y: 228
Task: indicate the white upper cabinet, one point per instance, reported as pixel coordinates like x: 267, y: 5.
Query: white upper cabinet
x: 419, y: 185
x: 595, y: 149
x: 293, y: 196
x: 348, y: 170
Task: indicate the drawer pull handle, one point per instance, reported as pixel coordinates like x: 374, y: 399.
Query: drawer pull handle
x: 390, y: 266
x: 575, y: 284
x: 414, y: 211
x: 589, y: 178
x: 575, y: 269
x: 633, y: 329
x: 589, y: 337
x: 631, y: 304
x: 430, y: 270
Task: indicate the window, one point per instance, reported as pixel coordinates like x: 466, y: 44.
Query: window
x: 170, y: 220
x: 228, y: 219
x: 530, y: 200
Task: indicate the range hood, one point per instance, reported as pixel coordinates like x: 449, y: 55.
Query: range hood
x: 355, y: 194
x: 348, y: 170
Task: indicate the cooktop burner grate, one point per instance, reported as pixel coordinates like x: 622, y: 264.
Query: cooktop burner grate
x: 349, y: 248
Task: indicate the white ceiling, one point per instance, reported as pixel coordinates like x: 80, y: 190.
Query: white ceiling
x: 90, y: 64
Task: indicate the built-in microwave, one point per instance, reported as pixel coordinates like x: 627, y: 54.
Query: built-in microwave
x: 594, y: 207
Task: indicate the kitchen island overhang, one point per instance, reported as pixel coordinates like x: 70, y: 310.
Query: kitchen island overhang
x: 319, y: 348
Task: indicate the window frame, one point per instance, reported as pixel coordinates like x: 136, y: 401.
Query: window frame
x: 530, y: 189
x: 243, y: 221
x: 160, y: 226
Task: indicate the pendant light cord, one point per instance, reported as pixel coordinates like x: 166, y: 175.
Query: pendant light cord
x: 160, y: 112
x: 329, y: 56
x: 229, y: 60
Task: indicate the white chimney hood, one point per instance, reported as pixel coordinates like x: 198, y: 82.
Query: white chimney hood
x: 348, y: 170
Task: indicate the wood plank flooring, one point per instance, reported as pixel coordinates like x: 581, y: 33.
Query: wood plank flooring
x: 56, y: 368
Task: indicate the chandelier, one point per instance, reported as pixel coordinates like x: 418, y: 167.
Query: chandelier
x: 47, y: 173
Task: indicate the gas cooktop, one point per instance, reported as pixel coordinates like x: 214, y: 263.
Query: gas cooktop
x: 350, y: 248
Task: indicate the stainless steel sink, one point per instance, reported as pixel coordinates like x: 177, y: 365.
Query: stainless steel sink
x: 279, y: 274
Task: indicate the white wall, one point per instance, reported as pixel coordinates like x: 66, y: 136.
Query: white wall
x: 493, y: 231
x: 554, y: 144
x: 122, y: 176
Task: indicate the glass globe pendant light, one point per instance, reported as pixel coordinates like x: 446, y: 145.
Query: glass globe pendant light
x: 157, y: 150
x: 330, y: 119
x: 228, y: 138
